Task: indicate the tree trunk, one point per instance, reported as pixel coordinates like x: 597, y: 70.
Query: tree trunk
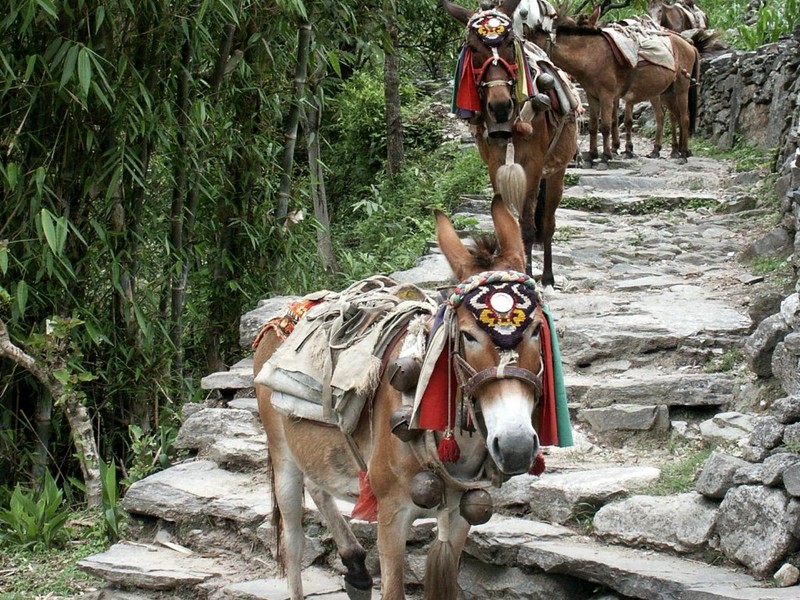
x: 189, y: 212
x: 313, y: 115
x: 292, y: 120
x: 67, y: 398
x: 391, y: 87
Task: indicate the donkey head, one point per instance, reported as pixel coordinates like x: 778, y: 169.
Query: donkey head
x: 492, y: 49
x: 498, y: 349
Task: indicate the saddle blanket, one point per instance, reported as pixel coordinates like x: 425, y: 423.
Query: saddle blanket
x: 636, y: 41
x: 330, y: 364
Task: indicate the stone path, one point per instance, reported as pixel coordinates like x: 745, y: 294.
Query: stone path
x: 649, y: 292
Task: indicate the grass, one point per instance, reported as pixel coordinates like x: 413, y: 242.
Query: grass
x: 52, y: 573
x: 726, y: 362
x: 746, y: 157
x: 680, y: 476
x: 565, y: 233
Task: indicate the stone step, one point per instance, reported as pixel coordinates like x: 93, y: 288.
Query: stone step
x: 634, y: 573
x: 649, y: 386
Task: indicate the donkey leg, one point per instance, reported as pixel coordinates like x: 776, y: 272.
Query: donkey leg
x: 288, y: 490
x: 606, y: 115
x: 615, y: 144
x: 358, y: 581
x: 553, y: 188
x: 594, y: 117
x: 629, y: 130
x: 527, y: 224
x: 658, y: 112
x: 394, y: 521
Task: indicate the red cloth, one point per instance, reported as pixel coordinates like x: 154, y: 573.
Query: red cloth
x: 433, y: 406
x: 548, y: 426
x: 467, y: 97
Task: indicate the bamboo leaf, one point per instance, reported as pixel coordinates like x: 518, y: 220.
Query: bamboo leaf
x: 48, y: 7
x: 100, y: 16
x: 69, y: 65
x: 333, y: 59
x: 30, y: 67
x: 49, y: 230
x: 3, y: 257
x: 84, y: 71
x: 12, y: 175
x: 22, y: 296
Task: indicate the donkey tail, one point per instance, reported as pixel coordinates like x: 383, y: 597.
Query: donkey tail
x: 693, y: 92
x: 441, y: 571
x: 276, y: 520
x: 511, y: 182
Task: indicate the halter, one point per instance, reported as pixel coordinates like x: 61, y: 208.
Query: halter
x: 492, y: 27
x: 510, y: 301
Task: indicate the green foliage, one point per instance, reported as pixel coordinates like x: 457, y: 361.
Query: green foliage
x: 52, y: 572
x: 114, y: 518
x: 727, y: 362
x: 32, y: 521
x: 680, y: 475
x: 149, y: 452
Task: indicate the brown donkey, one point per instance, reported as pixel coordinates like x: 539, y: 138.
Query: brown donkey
x: 678, y: 16
x: 495, y: 380
x: 508, y: 115
x: 584, y: 52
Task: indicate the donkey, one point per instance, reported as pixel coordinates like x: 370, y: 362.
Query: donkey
x: 498, y: 380
x: 506, y: 120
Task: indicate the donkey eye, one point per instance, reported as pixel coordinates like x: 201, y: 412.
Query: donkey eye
x: 468, y: 337
x: 535, y: 331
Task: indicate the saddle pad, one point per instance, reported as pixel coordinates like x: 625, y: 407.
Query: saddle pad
x: 330, y: 365
x: 633, y: 43
x: 564, y: 95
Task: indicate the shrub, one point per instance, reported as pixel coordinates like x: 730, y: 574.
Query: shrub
x: 37, y: 522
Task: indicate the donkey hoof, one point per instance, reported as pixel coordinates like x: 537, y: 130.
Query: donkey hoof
x: 353, y: 593
x: 654, y: 154
x: 602, y: 166
x: 682, y: 160
x: 629, y: 154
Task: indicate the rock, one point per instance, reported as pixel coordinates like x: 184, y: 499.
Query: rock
x: 150, y: 567
x: 760, y: 345
x: 787, y: 410
x: 775, y: 243
x: 727, y: 427
x: 764, y: 304
x: 205, y: 427
x: 557, y: 498
x: 317, y: 583
x: 681, y: 523
x: 751, y: 527
x: 787, y: 576
x: 790, y: 311
x: 767, y: 432
x: 717, y: 475
x: 791, y: 480
x: 626, y: 417
x: 479, y: 581
x: 786, y: 368
x: 775, y: 466
x: 199, y: 490
x: 251, y: 322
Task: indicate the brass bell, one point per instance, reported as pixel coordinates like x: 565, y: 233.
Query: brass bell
x: 427, y: 490
x: 476, y: 506
x: 545, y: 82
x: 541, y: 102
x: 404, y: 373
x: 399, y: 421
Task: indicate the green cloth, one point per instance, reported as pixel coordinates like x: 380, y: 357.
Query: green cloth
x: 562, y: 411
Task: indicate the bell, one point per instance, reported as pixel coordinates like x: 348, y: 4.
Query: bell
x: 404, y: 373
x: 545, y: 82
x: 541, y: 102
x: 427, y: 490
x: 398, y: 422
x: 476, y: 506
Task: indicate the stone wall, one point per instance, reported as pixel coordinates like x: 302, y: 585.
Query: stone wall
x: 755, y: 97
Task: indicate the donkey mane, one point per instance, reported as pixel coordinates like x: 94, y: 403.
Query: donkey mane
x: 569, y: 29
x: 486, y: 250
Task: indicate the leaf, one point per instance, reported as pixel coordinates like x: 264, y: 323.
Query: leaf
x: 48, y: 7
x: 62, y: 375
x: 333, y: 59
x: 49, y: 230
x: 12, y: 175
x: 69, y: 65
x: 84, y: 71
x: 3, y: 257
x: 22, y: 296
x: 30, y: 67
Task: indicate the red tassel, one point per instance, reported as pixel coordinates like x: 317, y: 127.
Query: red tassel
x: 366, y: 507
x: 538, y: 465
x: 449, y: 452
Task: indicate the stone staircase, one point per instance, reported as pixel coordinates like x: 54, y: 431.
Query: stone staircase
x: 649, y: 293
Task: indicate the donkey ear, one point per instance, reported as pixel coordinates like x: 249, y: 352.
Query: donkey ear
x: 594, y: 17
x: 509, y: 6
x: 508, y: 233
x: 457, y: 255
x: 459, y: 13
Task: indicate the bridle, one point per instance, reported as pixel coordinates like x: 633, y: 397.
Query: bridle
x: 492, y: 27
x: 471, y: 380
